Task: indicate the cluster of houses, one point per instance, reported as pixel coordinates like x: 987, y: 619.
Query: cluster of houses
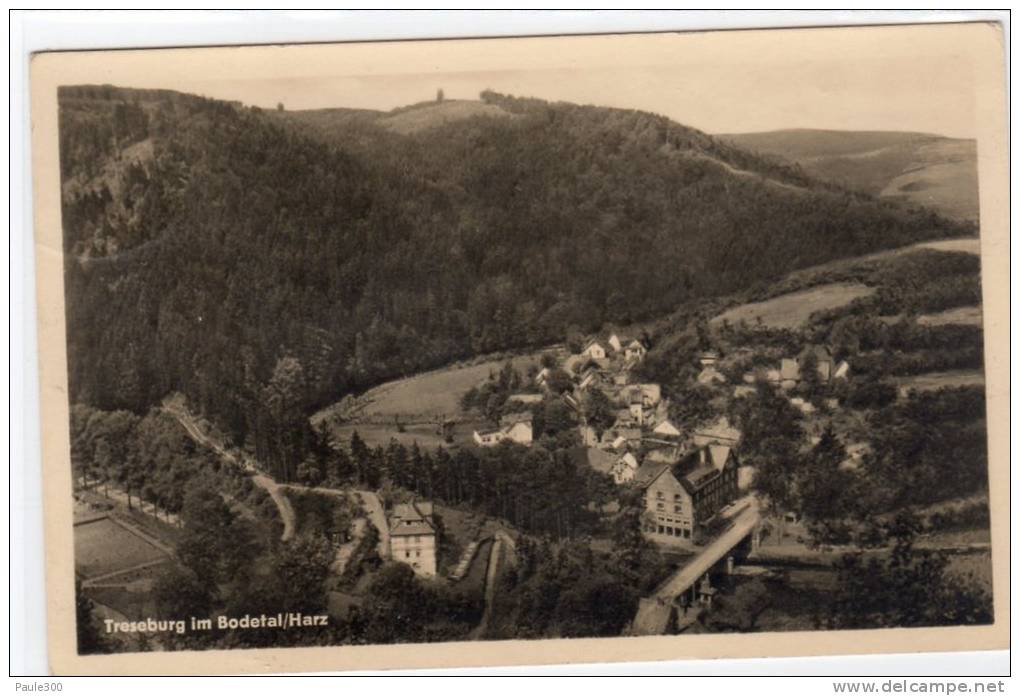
x: 687, y: 475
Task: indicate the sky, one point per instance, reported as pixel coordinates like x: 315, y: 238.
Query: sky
x: 880, y: 78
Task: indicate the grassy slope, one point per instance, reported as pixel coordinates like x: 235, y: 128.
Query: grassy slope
x: 917, y: 168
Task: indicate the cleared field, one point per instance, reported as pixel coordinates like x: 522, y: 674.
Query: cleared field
x: 970, y: 245
x: 958, y: 315
x: 381, y: 435
x: 103, y: 546
x: 936, y: 380
x: 793, y: 309
x: 434, y: 393
x: 434, y: 114
x: 424, y: 434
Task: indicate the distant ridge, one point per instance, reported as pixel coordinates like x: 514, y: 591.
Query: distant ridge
x: 916, y: 168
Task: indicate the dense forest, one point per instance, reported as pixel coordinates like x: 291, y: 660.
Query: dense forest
x: 263, y: 266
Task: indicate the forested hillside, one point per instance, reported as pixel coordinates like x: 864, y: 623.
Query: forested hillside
x: 263, y: 263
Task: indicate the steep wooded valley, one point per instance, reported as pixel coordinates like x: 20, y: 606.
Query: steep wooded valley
x: 266, y: 263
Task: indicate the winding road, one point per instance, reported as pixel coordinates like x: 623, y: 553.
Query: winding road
x: 287, y: 515
x: 176, y: 408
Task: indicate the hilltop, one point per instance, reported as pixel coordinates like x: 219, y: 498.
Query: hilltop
x: 265, y: 263
x: 915, y: 168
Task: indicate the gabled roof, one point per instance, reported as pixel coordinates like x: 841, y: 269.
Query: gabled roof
x: 649, y: 471
x: 413, y: 518
x: 702, y: 465
x: 718, y: 455
x: 665, y: 425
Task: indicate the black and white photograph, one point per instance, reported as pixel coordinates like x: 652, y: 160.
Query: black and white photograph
x: 523, y: 341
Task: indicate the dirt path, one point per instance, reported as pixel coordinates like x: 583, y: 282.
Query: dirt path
x: 370, y: 501
x: 344, y: 553
x: 175, y: 407
x: 491, y: 575
x: 282, y: 504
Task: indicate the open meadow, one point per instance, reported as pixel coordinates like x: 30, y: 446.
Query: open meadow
x: 793, y: 309
x: 436, y: 393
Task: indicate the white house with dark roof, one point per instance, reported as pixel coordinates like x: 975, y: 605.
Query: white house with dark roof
x: 413, y: 536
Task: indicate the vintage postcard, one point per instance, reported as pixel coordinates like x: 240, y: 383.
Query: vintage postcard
x: 523, y: 351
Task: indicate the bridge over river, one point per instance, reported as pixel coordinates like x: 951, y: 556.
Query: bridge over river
x: 655, y: 612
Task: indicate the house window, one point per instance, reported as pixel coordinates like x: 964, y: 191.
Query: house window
x: 407, y: 554
x: 677, y: 509
x: 659, y: 495
x: 662, y: 530
x: 660, y: 506
x: 417, y: 554
x: 677, y: 497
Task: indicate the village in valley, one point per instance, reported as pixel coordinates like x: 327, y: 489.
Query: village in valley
x: 671, y: 460
x: 426, y: 436
x: 674, y: 450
